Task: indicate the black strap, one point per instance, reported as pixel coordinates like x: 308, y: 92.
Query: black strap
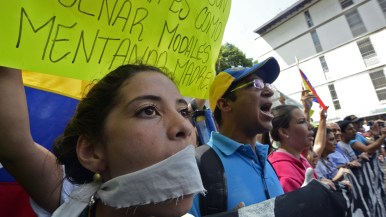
x: 214, y: 180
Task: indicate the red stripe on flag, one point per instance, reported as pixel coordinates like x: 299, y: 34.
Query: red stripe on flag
x: 309, y: 87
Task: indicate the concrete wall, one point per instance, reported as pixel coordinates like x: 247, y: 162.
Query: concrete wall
x: 349, y: 75
x: 347, y: 70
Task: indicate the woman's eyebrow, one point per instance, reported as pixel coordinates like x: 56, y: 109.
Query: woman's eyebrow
x: 145, y: 97
x: 181, y: 101
x: 154, y: 98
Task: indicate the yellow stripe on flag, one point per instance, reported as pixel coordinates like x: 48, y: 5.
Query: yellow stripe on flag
x: 69, y: 87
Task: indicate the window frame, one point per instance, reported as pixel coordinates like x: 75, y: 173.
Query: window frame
x: 382, y: 5
x: 308, y: 18
x: 346, y: 3
x: 316, y: 41
x: 324, y: 65
x: 355, y: 22
x: 367, y: 51
x: 378, y: 80
x: 334, y: 96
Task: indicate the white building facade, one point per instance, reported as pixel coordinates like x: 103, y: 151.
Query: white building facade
x: 341, y: 47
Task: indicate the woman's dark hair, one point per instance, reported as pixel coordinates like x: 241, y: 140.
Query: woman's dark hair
x: 282, y: 116
x: 328, y: 130
x: 266, y: 140
x: 90, y: 117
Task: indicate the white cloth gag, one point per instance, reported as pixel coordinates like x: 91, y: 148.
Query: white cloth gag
x: 171, y: 178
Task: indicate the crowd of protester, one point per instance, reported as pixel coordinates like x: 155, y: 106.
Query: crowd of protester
x: 264, y: 151
x: 294, y: 144
x: 331, y: 149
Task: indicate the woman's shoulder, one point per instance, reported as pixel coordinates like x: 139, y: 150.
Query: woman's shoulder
x: 280, y: 157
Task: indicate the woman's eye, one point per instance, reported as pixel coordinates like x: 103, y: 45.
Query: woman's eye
x: 301, y: 121
x: 147, y: 111
x: 185, y: 113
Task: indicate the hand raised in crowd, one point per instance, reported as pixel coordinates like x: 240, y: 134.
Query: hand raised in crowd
x: 323, y: 114
x: 306, y: 99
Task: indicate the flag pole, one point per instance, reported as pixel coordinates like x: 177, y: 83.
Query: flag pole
x: 301, y: 79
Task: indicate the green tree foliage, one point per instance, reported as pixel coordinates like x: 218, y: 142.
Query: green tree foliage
x: 232, y: 56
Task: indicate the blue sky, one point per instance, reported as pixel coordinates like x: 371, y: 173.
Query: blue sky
x: 248, y: 15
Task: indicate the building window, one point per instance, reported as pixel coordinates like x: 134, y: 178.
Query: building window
x: 379, y: 83
x: 334, y: 96
x: 345, y: 3
x: 316, y: 41
x: 355, y: 22
x: 309, y: 21
x: 382, y: 3
x: 324, y: 64
x: 367, y: 51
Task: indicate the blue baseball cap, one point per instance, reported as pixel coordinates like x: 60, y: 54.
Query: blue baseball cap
x: 268, y: 70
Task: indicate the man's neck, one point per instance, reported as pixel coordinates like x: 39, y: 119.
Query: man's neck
x: 345, y: 140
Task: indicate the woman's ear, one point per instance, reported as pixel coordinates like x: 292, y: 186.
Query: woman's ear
x: 283, y: 133
x: 90, y: 155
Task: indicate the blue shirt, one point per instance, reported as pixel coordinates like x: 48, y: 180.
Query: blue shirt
x: 338, y: 157
x: 360, y: 139
x: 326, y: 168
x: 244, y: 171
x: 347, y: 150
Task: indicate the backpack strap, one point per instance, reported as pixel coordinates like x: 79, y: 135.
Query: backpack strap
x: 214, y: 180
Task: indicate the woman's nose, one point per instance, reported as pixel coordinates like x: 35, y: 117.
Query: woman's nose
x: 179, y: 127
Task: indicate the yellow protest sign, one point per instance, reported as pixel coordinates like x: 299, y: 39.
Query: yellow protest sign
x: 85, y: 39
